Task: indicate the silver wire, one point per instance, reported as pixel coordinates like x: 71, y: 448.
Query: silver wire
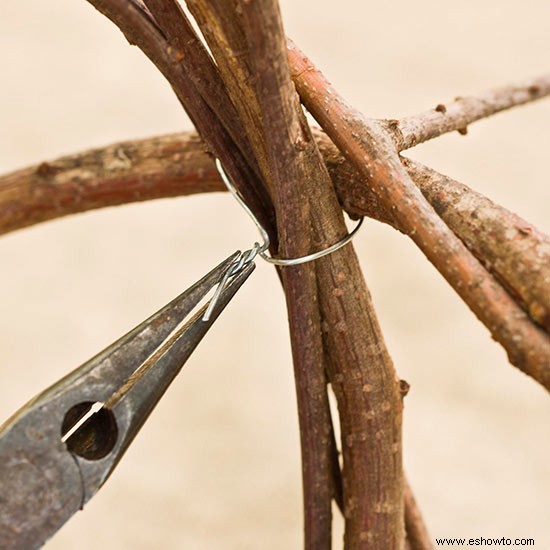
x: 261, y: 249
x: 234, y: 269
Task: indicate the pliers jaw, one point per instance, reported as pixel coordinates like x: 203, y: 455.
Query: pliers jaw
x: 46, y: 476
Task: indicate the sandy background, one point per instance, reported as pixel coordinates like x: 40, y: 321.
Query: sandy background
x: 217, y: 465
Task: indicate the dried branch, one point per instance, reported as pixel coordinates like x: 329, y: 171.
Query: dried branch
x: 368, y: 146
x: 513, y: 250
x: 516, y: 252
x: 417, y: 534
x: 458, y: 114
x: 186, y: 71
x: 188, y: 51
x: 360, y: 370
x: 224, y: 32
x: 166, y: 166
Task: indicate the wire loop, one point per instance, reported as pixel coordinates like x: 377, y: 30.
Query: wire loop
x: 261, y: 250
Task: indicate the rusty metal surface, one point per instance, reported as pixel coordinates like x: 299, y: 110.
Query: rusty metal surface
x: 43, y: 480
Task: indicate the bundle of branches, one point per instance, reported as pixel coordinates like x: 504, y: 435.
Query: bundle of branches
x: 244, y: 86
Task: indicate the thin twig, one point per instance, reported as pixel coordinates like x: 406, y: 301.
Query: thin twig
x: 141, y: 29
x: 513, y: 250
x: 282, y: 164
x: 360, y: 369
x: 458, y: 114
x: 223, y: 31
x: 510, y: 248
x: 290, y: 170
x: 368, y: 146
x: 188, y: 51
x: 417, y: 534
x: 164, y: 166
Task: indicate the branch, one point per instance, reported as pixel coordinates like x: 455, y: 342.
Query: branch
x: 370, y: 149
x: 222, y: 27
x: 223, y: 31
x: 160, y: 167
x: 360, y: 370
x: 516, y: 252
x: 510, y: 248
x: 178, y: 164
x: 289, y: 171
x: 458, y: 114
x: 417, y: 534
x: 185, y: 70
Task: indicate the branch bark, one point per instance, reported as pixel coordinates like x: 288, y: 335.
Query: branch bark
x: 328, y: 304
x: 510, y: 248
x: 189, y: 71
x: 513, y: 250
x: 417, y: 534
x: 458, y: 114
x: 368, y: 146
x: 225, y: 34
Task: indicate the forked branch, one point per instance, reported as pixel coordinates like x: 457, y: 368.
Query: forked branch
x: 369, y: 147
x: 178, y: 164
x: 359, y: 368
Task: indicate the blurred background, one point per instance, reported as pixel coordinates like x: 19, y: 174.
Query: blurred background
x: 217, y: 465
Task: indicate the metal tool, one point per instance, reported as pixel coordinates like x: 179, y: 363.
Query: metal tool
x: 59, y: 449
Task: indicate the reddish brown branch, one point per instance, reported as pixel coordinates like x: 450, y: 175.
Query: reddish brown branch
x: 223, y: 31
x: 417, y: 534
x: 188, y: 52
x: 281, y: 164
x: 360, y: 370
x: 458, y: 114
x: 511, y: 248
x: 289, y: 170
x: 206, y: 104
x: 370, y: 149
x: 178, y: 164
x: 166, y: 166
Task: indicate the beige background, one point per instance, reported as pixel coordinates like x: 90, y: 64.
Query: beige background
x: 217, y: 465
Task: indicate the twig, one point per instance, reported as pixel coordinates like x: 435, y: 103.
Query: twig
x: 370, y: 149
x: 178, y: 164
x: 360, y: 370
x: 288, y: 171
x: 281, y: 164
x: 140, y: 29
x: 165, y: 166
x: 187, y: 51
x: 417, y: 534
x: 458, y: 114
x: 222, y: 29
x: 511, y: 248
